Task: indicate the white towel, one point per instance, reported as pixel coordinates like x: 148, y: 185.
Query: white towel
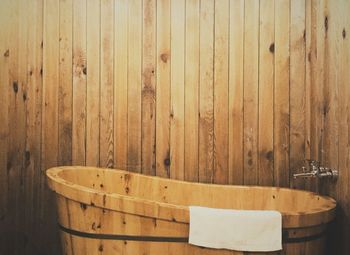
x: 240, y: 230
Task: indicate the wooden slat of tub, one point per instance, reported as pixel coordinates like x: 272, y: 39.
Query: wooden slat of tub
x: 93, y: 83
x: 235, y: 134
x: 177, y: 115
x: 191, y: 89
x: 106, y: 100
x: 281, y: 94
x: 134, y: 84
x: 251, y: 80
x: 121, y: 84
x: 79, y: 83
x: 206, y: 107
x: 266, y: 88
x: 148, y: 94
x: 221, y: 100
x: 163, y: 89
x: 297, y: 89
x: 65, y: 84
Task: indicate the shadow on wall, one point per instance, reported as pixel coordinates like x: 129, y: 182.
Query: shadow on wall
x: 16, y: 242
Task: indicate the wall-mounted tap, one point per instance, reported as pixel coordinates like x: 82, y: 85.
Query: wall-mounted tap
x: 312, y: 169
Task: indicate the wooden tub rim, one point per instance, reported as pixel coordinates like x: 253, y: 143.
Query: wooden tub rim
x: 166, y: 211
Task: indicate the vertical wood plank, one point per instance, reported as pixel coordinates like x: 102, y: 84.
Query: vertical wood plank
x: 65, y: 85
x: 177, y: 124
x: 221, y: 100
x: 134, y: 84
x: 93, y: 83
x: 342, y: 187
x: 308, y: 75
x: 163, y: 89
x: 236, y: 87
x: 297, y: 87
x: 32, y: 160
x: 251, y: 88
x: 148, y: 108
x: 50, y: 87
x: 317, y: 120
x: 206, y: 107
x: 281, y: 93
x: 332, y: 81
x: 121, y: 84
x: 50, y: 144
x: 107, y: 84
x: 336, y: 141
x: 4, y: 107
x: 310, y: 79
x: 79, y: 83
x: 192, y: 63
x: 266, y: 88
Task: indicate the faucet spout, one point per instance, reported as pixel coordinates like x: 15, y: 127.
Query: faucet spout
x: 314, y: 170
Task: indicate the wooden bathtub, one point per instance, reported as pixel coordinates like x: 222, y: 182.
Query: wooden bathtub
x: 103, y: 211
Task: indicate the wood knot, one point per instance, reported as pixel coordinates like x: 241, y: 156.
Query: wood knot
x: 164, y: 57
x: 272, y: 48
x: 344, y: 33
x: 30, y: 73
x: 27, y: 158
x: 7, y: 53
x: 250, y: 162
x: 326, y: 23
x: 100, y: 248
x: 167, y: 161
x: 15, y: 86
x: 85, y: 70
x: 269, y: 155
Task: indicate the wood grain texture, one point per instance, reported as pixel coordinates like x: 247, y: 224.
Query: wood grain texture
x: 134, y: 84
x: 163, y: 89
x: 148, y: 94
x: 191, y: 89
x: 225, y: 91
x: 65, y: 97
x: 79, y: 83
x: 177, y: 80
x: 107, y: 83
x: 282, y: 93
x: 266, y: 93
x: 251, y: 88
x: 93, y: 77
x: 221, y: 74
x: 206, y: 96
x: 297, y: 87
x: 236, y: 90
x: 121, y: 84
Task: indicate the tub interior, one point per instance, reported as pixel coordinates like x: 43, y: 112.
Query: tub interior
x: 163, y: 190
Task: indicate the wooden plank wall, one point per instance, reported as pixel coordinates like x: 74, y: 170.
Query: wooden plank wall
x: 216, y: 91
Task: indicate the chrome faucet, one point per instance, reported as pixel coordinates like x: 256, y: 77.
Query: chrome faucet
x: 312, y: 169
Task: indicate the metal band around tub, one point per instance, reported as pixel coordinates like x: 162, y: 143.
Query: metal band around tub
x: 285, y: 237
x: 124, y: 237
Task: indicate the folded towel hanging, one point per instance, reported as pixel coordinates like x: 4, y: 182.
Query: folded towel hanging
x: 240, y: 230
